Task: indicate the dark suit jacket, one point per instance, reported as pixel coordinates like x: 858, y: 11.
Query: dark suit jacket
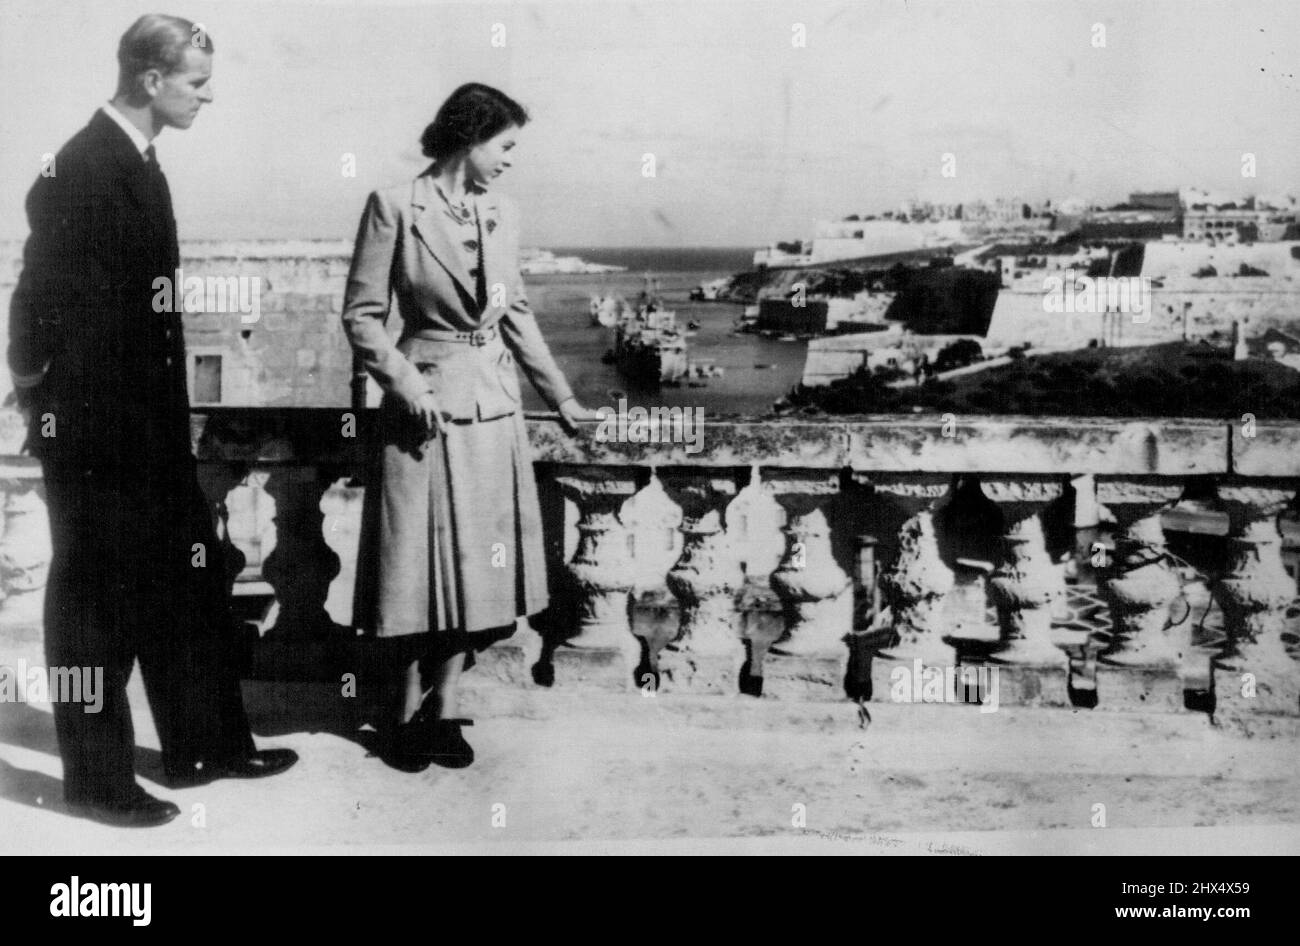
x: 102, y: 231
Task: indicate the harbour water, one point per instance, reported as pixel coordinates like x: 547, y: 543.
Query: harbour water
x: 757, y: 370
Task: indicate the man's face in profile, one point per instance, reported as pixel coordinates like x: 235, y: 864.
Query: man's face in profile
x: 182, y: 93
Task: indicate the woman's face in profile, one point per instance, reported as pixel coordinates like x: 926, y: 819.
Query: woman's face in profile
x: 491, y: 158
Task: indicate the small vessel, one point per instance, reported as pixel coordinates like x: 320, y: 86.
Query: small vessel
x: 713, y: 291
x: 748, y: 320
x: 701, y: 368
x: 649, y: 347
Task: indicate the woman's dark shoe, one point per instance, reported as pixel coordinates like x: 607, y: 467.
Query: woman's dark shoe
x: 404, y: 747
x: 447, y: 747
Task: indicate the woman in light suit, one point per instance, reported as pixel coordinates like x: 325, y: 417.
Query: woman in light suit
x: 455, y: 516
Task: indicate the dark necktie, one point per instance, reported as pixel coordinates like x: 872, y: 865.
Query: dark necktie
x: 158, y: 182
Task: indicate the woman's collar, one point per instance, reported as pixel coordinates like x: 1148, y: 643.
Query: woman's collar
x: 474, y: 188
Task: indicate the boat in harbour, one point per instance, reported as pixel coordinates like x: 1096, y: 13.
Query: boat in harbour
x: 748, y: 320
x: 649, y: 346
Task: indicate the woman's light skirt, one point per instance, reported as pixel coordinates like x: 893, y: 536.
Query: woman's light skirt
x: 453, y: 538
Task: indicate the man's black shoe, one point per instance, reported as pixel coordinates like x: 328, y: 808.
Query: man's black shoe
x: 139, y: 810
x: 257, y: 764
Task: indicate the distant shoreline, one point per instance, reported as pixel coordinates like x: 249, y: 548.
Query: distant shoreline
x: 659, y: 259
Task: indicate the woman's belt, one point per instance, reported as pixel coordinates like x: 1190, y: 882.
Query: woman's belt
x: 477, y: 339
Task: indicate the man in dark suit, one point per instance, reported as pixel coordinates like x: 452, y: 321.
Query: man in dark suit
x: 136, y: 571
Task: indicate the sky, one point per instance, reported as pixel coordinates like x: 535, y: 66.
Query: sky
x: 754, y: 135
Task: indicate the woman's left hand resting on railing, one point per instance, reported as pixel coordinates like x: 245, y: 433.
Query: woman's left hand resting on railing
x: 572, y: 413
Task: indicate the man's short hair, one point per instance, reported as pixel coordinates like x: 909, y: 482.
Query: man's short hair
x: 157, y: 41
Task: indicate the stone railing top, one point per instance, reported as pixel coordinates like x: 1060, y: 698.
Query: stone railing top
x: 928, y: 443
x: 266, y: 249
x: 1039, y: 446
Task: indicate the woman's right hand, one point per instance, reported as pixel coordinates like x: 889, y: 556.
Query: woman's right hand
x: 425, y: 409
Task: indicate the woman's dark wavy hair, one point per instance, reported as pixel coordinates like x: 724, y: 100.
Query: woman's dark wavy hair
x: 471, y: 115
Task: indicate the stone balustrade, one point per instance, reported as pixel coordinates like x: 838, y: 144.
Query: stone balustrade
x: 886, y: 558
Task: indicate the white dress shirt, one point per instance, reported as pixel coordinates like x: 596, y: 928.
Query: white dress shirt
x: 139, y: 140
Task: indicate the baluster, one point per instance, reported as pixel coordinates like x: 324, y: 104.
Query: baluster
x: 653, y: 522
x: 1025, y: 587
x: 1142, y: 666
x: 755, y: 524
x: 915, y: 587
x: 302, y: 566
x: 217, y: 480
x: 810, y: 659
x: 1253, y: 673
x: 601, y: 576
x: 25, y: 553
x: 707, y: 655
x: 341, y: 506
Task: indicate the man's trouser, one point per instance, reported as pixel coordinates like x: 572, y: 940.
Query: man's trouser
x: 137, y: 573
